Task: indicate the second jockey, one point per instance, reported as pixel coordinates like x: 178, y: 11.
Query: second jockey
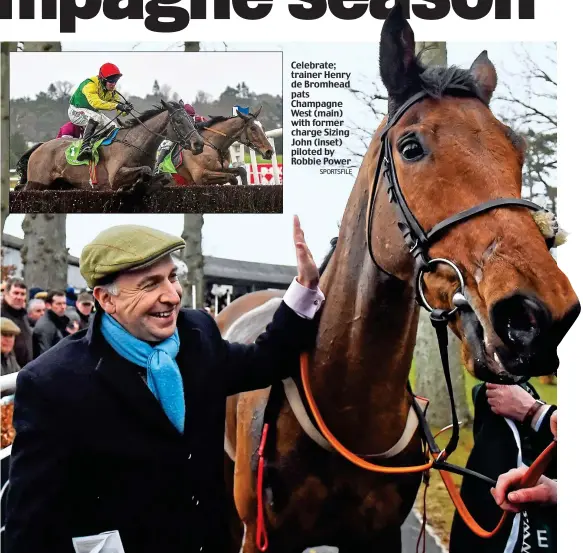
x: 167, y: 145
x: 92, y: 96
x: 68, y: 130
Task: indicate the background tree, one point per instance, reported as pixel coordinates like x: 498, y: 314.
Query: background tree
x: 5, y: 49
x: 531, y: 109
x: 44, y: 253
x: 192, y: 234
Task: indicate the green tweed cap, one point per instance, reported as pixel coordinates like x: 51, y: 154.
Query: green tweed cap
x: 124, y: 248
x: 8, y: 327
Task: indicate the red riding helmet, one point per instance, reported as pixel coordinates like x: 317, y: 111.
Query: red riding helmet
x: 109, y: 72
x: 189, y: 109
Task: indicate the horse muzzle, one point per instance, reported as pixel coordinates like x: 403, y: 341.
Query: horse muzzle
x: 525, y: 339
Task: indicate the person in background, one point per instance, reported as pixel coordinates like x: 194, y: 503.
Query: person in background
x: 9, y: 332
x: 71, y: 296
x: 167, y: 147
x: 512, y: 426
x: 70, y: 130
x: 36, y: 309
x: 13, y: 307
x: 84, y: 306
x: 42, y: 295
x: 51, y: 328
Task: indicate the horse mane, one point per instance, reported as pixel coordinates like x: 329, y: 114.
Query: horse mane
x: 438, y: 81
x: 147, y: 115
x: 213, y: 121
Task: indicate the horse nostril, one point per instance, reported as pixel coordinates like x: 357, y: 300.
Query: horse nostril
x: 520, y: 320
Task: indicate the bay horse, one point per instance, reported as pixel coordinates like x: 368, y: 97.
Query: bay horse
x: 219, y: 134
x: 450, y: 153
x: 125, y: 164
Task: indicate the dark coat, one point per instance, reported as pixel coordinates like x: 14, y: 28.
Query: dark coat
x: 9, y: 363
x: 23, y: 342
x: 94, y: 450
x: 49, y: 330
x: 494, y: 453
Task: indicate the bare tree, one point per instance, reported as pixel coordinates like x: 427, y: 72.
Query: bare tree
x: 193, y: 256
x: 44, y: 253
x: 194, y: 260
x: 6, y: 48
x: 531, y: 109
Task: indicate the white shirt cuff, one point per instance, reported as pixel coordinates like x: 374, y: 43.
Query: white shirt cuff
x: 304, y: 301
x: 536, y: 422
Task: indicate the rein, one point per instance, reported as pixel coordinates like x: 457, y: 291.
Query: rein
x: 182, y: 140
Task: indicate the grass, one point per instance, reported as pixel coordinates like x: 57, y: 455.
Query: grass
x: 261, y: 160
x: 440, y: 509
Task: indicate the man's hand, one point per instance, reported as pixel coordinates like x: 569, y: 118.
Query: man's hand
x: 509, y: 400
x: 308, y: 274
x: 545, y: 491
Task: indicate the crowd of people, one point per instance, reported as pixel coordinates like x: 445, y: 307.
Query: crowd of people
x: 33, y: 321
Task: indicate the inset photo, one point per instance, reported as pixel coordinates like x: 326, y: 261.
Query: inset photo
x: 146, y: 132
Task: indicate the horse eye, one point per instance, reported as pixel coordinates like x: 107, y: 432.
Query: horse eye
x: 411, y: 149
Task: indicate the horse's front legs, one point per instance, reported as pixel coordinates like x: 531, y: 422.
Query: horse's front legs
x: 131, y: 179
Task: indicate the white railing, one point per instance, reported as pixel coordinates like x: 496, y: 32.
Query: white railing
x: 8, y: 382
x: 237, y: 151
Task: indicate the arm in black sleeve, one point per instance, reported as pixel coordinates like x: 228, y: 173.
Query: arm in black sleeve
x: 542, y: 437
x: 36, y: 511
x: 274, y: 355
x: 43, y: 339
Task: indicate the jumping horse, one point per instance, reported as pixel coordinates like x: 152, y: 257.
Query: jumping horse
x: 219, y: 134
x: 442, y: 161
x: 125, y: 164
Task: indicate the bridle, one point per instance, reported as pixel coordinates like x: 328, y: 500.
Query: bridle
x: 182, y: 140
x: 419, y: 241
x: 235, y: 137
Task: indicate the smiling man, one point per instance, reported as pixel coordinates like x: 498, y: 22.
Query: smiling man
x: 121, y: 426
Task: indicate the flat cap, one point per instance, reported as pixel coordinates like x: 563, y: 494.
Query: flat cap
x: 8, y: 327
x: 122, y: 248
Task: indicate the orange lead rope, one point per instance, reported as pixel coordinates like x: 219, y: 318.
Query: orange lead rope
x: 530, y: 478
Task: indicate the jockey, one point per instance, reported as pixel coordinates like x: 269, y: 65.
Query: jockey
x: 166, y: 146
x: 68, y: 130
x: 92, y: 95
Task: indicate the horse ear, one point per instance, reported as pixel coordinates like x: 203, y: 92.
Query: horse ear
x: 181, y: 103
x: 163, y: 103
x: 484, y: 74
x: 256, y: 114
x: 397, y: 61
x: 243, y: 116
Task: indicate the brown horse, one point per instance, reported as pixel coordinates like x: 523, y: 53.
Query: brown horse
x: 126, y: 163
x: 450, y: 154
x: 220, y: 133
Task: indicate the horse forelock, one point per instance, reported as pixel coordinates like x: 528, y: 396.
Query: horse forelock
x: 249, y: 326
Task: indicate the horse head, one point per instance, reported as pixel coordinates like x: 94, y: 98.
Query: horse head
x: 449, y: 153
x: 254, y: 136
x: 182, y: 128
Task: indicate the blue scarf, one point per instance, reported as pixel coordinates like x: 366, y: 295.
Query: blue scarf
x: 164, y: 378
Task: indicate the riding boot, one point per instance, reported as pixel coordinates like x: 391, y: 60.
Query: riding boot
x: 164, y: 151
x: 85, y: 151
